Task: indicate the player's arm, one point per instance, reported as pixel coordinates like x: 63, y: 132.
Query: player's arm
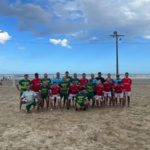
x: 18, y: 86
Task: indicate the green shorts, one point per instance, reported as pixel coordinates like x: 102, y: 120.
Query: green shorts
x: 44, y: 96
x: 90, y: 96
x: 81, y: 104
x: 65, y: 95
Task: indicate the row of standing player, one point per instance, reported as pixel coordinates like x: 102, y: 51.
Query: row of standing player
x: 97, y: 89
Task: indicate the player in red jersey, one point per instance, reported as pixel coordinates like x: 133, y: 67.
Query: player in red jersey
x: 99, y: 94
x: 83, y: 81
x: 111, y: 82
x: 127, y: 82
x: 55, y: 99
x: 73, y: 91
x: 35, y: 84
x: 118, y: 90
x: 107, y: 93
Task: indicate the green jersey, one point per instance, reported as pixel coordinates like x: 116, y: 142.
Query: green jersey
x: 44, y: 90
x: 24, y: 83
x: 77, y: 81
x: 69, y: 79
x: 47, y: 80
x: 90, y: 88
x: 64, y: 87
x: 80, y: 98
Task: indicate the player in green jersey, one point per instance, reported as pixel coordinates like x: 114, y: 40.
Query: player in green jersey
x: 64, y: 91
x: 46, y: 79
x: 22, y: 86
x: 44, y: 94
x: 81, y: 100
x: 90, y: 89
x: 68, y: 78
x: 75, y: 79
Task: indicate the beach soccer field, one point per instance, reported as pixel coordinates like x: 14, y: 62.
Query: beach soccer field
x: 95, y: 129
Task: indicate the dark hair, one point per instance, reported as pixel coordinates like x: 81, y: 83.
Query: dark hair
x: 26, y: 75
x: 36, y: 74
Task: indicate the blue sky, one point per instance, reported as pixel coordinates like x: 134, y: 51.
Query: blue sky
x: 59, y: 35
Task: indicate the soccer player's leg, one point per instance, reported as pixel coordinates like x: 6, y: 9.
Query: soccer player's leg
x: 110, y: 98
x: 77, y: 106
x: 128, y: 95
x: 41, y: 102
x: 122, y: 99
x: 47, y: 102
x: 85, y: 107
x: 71, y: 98
x: 93, y: 99
x: 97, y: 100
x: 63, y: 99
x: 102, y: 101
x: 89, y: 100
x: 52, y: 101
x: 68, y: 100
x: 20, y: 102
x: 29, y: 105
x: 105, y: 98
x: 58, y: 99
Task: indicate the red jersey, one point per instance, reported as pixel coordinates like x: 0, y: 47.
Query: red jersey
x: 36, y: 84
x: 73, y: 89
x: 83, y: 81
x: 55, y: 89
x: 99, y: 90
x: 127, y: 82
x: 118, y: 88
x: 107, y: 86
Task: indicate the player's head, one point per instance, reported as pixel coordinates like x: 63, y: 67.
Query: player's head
x: 45, y: 75
x: 67, y: 73
x: 26, y: 76
x: 83, y: 75
x: 92, y: 76
x: 75, y: 75
x: 36, y: 75
x: 58, y: 75
x: 99, y: 74
x: 117, y: 76
x: 108, y: 75
x: 126, y: 74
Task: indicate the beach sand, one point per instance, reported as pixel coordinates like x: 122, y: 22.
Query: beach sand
x: 95, y: 129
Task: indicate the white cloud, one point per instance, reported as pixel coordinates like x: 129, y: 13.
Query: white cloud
x: 63, y: 42
x: 147, y: 37
x: 4, y: 36
x: 65, y: 17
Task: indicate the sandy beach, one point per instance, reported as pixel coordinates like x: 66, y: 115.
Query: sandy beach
x: 95, y: 129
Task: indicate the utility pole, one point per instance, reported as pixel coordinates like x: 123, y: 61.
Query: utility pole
x: 117, y: 36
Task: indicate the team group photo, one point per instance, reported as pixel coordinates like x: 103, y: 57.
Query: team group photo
x: 73, y: 92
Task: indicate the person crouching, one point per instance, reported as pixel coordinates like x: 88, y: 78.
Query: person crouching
x: 28, y: 97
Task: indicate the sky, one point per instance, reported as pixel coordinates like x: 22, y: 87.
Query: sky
x: 58, y: 35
